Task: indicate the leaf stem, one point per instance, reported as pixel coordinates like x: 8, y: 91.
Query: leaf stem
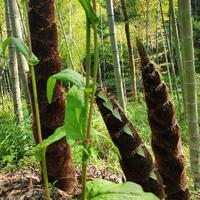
x: 85, y: 155
x: 96, y: 54
x: 88, y: 135
x: 88, y: 60
x: 88, y: 71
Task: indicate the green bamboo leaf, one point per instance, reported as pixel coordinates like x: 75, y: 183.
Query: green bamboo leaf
x: 40, y: 148
x: 75, y: 115
x: 127, y: 130
x: 153, y: 176
x: 105, y: 190
x: 108, y: 105
x: 102, y: 95
x: 89, y: 11
x: 140, y: 151
x: 116, y: 114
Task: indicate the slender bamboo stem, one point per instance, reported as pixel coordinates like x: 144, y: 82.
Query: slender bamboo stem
x: 88, y: 135
x: 65, y: 37
x: 36, y: 106
x: 130, y: 50
x: 170, y: 56
x: 16, y: 91
x: 190, y: 89
x: 115, y: 53
x: 102, y: 41
x: 167, y: 62
x: 178, y: 49
x: 88, y: 66
x: 157, y: 22
x: 92, y: 98
x: 147, y: 23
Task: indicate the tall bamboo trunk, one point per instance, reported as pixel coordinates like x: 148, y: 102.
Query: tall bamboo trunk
x: 147, y: 23
x: 65, y: 36
x: 177, y: 47
x: 45, y: 46
x: 170, y: 56
x: 102, y: 61
x: 2, y: 73
x: 167, y: 62
x: 15, y: 84
x: 190, y: 89
x: 166, y: 134
x: 130, y: 50
x: 115, y: 53
x: 136, y: 161
x: 2, y: 96
x: 122, y: 64
x: 22, y: 64
x: 157, y: 34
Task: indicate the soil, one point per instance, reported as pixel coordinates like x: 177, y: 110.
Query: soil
x: 26, y: 184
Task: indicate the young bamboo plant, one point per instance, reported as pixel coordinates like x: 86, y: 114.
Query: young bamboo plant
x: 133, y: 152
x: 166, y: 134
x: 78, y: 118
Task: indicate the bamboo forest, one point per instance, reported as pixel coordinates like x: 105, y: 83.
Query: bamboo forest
x: 100, y: 99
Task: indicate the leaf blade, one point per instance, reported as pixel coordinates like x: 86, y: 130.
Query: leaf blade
x: 106, y: 190
x: 89, y: 11
x: 40, y: 148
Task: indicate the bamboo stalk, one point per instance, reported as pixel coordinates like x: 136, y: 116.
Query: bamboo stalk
x: 190, y: 89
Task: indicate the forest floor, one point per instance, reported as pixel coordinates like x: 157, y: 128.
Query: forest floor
x: 26, y: 184
x: 20, y: 173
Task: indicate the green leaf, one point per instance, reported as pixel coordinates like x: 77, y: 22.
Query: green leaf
x: 140, y: 151
x: 75, y: 115
x: 5, y: 44
x: 108, y: 105
x: 127, y: 130
x: 89, y: 11
x: 106, y: 190
x: 50, y: 88
x: 40, y: 148
x: 22, y: 48
x: 67, y: 75
x: 116, y: 114
x: 33, y: 60
x: 153, y: 175
x: 102, y: 95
